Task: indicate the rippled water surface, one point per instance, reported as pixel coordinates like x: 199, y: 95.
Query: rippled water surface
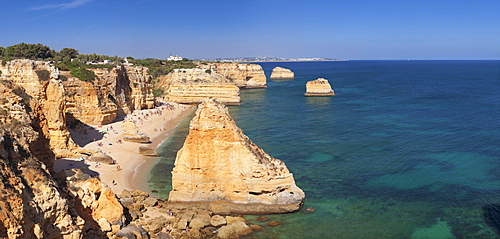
x: 407, y: 149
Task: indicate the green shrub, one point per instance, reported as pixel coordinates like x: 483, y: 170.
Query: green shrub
x: 43, y: 75
x: 158, y: 92
x: 83, y: 75
x: 20, y: 92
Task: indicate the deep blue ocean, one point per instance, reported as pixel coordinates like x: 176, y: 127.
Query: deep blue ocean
x: 406, y: 149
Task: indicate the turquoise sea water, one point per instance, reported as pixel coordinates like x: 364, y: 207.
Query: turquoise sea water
x: 407, y: 149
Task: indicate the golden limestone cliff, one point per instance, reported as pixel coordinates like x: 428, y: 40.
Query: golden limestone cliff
x: 32, y: 203
x: 223, y: 170
x: 242, y: 75
x: 115, y: 92
x: 192, y: 86
x: 40, y: 85
x: 280, y: 73
x: 319, y: 87
x: 62, y: 98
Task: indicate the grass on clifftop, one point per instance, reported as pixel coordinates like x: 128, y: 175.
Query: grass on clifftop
x: 83, y: 74
x: 159, y: 67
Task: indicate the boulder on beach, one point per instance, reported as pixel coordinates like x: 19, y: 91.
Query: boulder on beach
x: 100, y: 157
x: 132, y: 134
x: 146, y: 151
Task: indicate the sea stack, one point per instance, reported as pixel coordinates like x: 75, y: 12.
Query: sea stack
x: 319, y: 87
x: 193, y: 86
x: 280, y: 73
x: 242, y: 75
x: 221, y: 169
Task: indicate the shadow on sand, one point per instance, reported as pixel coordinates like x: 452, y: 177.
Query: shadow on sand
x: 66, y: 164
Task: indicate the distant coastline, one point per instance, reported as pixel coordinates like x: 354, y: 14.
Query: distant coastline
x: 269, y: 59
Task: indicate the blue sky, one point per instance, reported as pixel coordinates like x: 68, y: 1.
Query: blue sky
x: 347, y: 29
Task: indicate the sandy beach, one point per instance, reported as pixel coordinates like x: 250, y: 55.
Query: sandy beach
x: 131, y: 169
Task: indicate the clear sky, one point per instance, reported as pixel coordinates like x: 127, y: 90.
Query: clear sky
x: 344, y: 29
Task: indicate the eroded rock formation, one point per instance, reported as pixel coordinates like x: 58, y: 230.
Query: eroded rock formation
x: 61, y: 98
x: 38, y: 84
x: 31, y: 203
x: 195, y: 85
x: 115, y: 92
x: 242, y: 75
x: 222, y: 169
x: 319, y: 87
x: 280, y: 73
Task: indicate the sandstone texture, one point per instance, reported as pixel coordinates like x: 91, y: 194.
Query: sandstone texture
x: 116, y: 92
x: 59, y: 98
x: 242, y: 75
x: 280, y: 73
x: 193, y: 86
x: 132, y: 134
x: 319, y: 87
x: 37, y: 84
x: 221, y: 169
x: 31, y: 203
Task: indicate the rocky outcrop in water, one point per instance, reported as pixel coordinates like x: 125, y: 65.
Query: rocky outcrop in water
x: 242, y: 75
x: 223, y: 170
x: 280, y: 73
x: 191, y: 86
x: 319, y: 87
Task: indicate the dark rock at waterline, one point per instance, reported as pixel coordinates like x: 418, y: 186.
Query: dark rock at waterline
x: 274, y: 223
x: 146, y: 151
x: 262, y: 219
x: 491, y: 215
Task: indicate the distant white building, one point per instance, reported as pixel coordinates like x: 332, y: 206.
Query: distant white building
x: 174, y: 58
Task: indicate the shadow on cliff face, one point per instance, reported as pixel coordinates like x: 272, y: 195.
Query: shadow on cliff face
x: 81, y: 133
x: 491, y: 215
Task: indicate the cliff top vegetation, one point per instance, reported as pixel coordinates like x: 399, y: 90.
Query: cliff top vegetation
x: 70, y: 59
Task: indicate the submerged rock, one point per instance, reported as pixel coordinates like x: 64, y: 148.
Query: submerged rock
x: 491, y: 215
x: 222, y: 169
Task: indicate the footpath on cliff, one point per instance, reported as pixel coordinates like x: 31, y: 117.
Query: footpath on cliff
x: 127, y: 171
